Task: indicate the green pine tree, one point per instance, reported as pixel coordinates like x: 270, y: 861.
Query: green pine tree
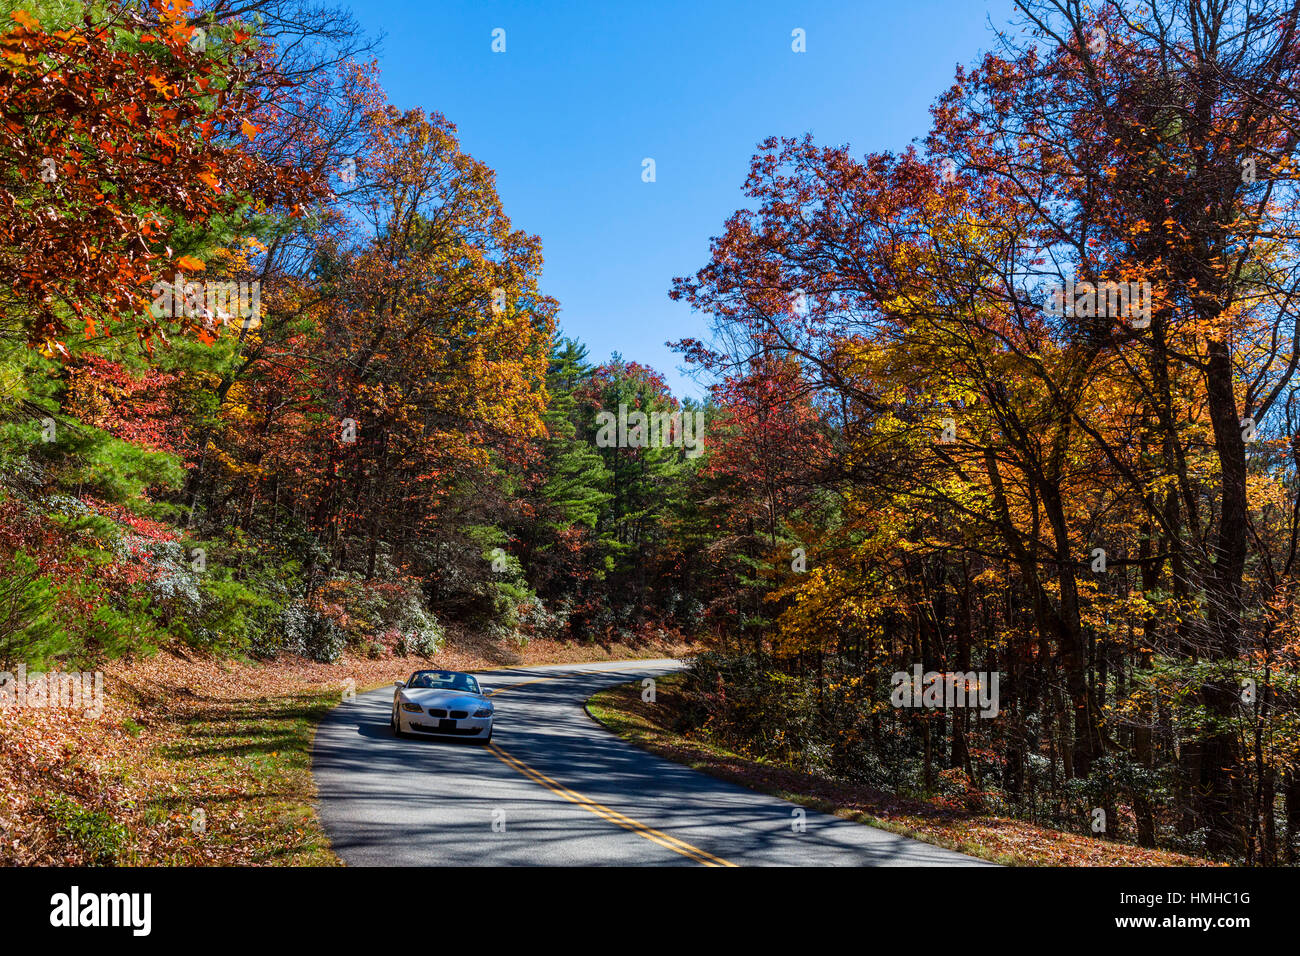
x: 576, y: 477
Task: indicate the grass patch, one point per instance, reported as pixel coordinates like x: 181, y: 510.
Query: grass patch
x: 231, y: 784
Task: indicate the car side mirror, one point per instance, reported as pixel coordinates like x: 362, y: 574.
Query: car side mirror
x: 399, y: 683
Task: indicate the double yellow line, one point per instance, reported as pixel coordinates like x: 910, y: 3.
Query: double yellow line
x: 605, y: 813
x: 613, y: 816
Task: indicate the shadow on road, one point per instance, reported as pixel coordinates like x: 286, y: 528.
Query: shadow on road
x: 421, y: 801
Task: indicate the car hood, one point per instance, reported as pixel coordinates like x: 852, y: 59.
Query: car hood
x: 442, y: 697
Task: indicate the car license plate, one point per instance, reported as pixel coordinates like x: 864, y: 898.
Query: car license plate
x: 446, y: 724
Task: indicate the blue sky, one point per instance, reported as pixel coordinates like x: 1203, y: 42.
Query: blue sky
x: 586, y: 90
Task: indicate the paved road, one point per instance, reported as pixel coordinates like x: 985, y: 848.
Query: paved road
x: 555, y: 788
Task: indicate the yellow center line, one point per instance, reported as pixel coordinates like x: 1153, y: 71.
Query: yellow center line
x: 605, y: 813
x: 613, y: 816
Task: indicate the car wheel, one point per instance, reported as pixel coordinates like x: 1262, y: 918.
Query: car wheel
x: 396, y: 724
x: 488, y: 740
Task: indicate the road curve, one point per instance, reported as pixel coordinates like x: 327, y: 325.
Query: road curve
x: 554, y: 788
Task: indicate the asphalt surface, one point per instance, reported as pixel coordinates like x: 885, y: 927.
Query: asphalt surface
x: 555, y: 788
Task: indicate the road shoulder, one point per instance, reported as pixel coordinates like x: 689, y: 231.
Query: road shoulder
x: 621, y: 710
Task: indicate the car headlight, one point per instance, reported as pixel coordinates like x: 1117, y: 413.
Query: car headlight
x: 483, y: 712
x: 412, y: 708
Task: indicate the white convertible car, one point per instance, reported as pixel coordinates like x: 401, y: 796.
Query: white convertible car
x: 441, y: 704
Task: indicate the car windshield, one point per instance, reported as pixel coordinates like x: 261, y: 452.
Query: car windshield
x: 445, y: 680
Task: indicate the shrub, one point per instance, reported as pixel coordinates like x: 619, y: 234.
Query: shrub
x: 96, y: 834
x: 314, y: 631
x: 418, y: 631
x: 537, y: 621
x: 28, y: 631
x: 169, y: 579
x: 235, y: 617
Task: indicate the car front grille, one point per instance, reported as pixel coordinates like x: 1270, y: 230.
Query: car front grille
x: 450, y: 731
x: 459, y: 714
x: 437, y: 712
